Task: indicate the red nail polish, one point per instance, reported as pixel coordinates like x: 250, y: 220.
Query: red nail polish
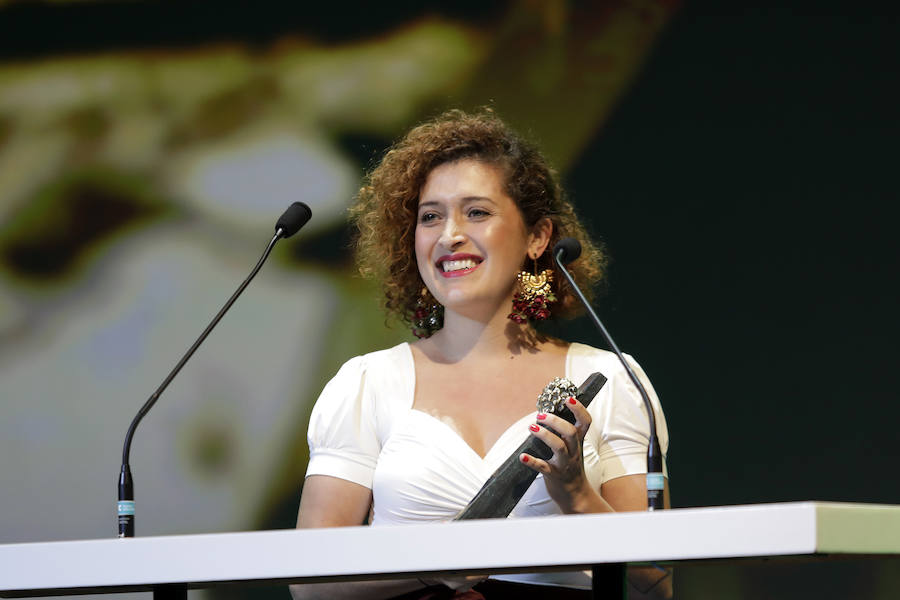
x: 534, y: 428
x: 571, y: 400
x: 541, y: 416
x: 524, y: 459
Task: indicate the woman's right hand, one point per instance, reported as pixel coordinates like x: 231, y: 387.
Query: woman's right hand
x: 333, y: 502
x: 458, y: 584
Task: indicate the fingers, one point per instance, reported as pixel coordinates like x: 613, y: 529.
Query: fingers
x: 556, y: 440
x: 570, y: 434
x: 563, y: 438
x: 582, y: 416
x: 534, y: 463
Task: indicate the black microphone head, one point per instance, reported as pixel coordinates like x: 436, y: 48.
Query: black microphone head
x: 293, y: 219
x: 567, y: 250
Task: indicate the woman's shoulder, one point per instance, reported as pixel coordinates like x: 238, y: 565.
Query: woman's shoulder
x: 388, y: 372
x: 391, y: 357
x: 584, y: 360
x: 583, y: 353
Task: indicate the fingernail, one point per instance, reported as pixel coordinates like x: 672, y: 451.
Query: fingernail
x: 534, y: 428
x: 571, y: 400
x: 524, y: 459
x: 541, y: 416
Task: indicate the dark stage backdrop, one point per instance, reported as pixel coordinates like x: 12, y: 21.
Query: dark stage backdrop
x: 746, y: 188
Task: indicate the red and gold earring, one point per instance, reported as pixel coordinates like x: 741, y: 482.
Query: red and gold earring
x: 534, y: 296
x: 428, y: 315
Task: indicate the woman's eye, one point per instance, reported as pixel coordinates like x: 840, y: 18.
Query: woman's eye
x: 478, y: 213
x: 427, y: 217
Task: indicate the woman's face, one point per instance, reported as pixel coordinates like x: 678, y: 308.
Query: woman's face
x: 470, y: 237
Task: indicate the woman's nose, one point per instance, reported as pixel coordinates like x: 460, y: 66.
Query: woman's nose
x: 452, y: 234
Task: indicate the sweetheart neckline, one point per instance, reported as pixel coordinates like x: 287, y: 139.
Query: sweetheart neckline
x: 463, y: 441
x: 411, y: 394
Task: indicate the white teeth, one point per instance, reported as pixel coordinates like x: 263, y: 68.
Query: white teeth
x: 457, y: 265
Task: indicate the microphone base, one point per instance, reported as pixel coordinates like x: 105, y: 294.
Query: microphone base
x: 125, y: 505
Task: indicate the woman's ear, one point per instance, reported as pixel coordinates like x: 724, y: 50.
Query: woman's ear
x: 540, y: 237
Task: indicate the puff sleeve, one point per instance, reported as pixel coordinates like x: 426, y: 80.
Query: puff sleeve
x: 342, y: 435
x: 620, y: 431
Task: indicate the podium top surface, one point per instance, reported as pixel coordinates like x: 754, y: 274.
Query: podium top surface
x: 491, y: 546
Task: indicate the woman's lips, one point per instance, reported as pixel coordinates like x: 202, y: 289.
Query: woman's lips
x: 457, y: 265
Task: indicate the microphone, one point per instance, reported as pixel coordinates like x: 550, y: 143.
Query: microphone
x: 565, y: 251
x: 295, y: 217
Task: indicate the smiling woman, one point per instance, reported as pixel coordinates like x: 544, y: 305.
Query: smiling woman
x: 470, y: 239
x: 388, y: 206
x: 451, y: 221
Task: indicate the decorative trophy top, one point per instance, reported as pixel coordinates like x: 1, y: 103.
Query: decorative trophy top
x: 555, y: 394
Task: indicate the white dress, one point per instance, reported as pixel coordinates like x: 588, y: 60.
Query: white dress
x: 364, y: 429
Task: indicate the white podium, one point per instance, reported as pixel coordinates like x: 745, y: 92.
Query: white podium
x: 168, y: 565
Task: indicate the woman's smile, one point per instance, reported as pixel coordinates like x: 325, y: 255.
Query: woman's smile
x: 471, y: 239
x: 457, y: 265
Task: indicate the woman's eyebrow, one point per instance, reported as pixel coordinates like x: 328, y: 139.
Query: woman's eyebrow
x: 465, y: 200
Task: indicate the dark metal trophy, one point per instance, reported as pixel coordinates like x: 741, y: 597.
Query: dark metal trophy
x: 511, y: 480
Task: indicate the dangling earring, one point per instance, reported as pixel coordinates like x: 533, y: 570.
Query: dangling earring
x: 532, y: 301
x: 428, y: 316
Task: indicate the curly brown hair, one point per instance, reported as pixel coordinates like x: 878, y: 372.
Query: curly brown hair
x: 385, y: 211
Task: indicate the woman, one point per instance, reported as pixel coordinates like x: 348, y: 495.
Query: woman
x: 458, y: 222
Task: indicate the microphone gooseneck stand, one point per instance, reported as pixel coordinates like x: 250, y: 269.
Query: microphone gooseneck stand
x: 290, y: 222
x: 609, y: 580
x: 565, y: 251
